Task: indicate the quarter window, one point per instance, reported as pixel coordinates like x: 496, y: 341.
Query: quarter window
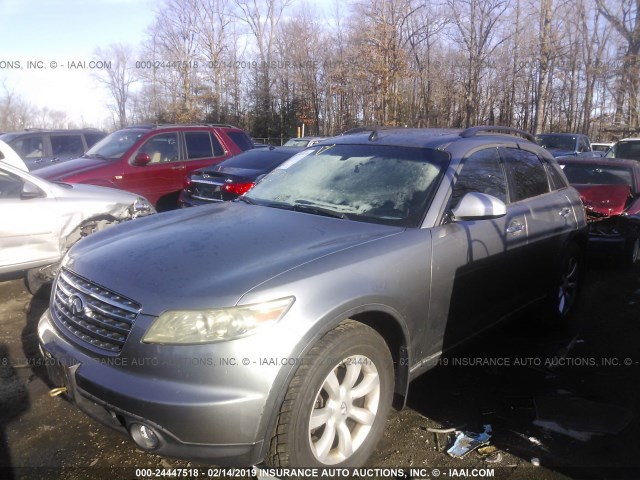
x: 528, y: 177
x: 481, y: 172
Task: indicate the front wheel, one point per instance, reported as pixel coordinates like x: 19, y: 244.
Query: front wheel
x: 337, y: 403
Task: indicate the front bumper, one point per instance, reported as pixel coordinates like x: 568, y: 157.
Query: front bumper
x: 192, y: 421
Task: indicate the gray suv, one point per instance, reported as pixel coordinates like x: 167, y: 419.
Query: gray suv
x: 278, y: 328
x: 39, y: 148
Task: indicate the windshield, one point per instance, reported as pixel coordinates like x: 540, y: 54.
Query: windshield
x: 379, y: 184
x: 557, y: 142
x: 116, y: 144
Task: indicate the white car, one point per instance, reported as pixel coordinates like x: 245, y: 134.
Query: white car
x: 41, y: 219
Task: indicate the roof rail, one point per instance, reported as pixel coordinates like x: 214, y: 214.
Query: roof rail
x: 191, y: 124
x: 473, y: 131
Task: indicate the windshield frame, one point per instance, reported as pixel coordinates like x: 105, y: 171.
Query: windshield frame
x: 93, y: 152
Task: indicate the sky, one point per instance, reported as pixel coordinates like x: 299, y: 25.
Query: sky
x: 52, y: 33
x: 56, y: 36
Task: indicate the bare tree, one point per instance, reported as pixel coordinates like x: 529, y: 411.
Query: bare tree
x: 262, y: 18
x: 626, y: 21
x: 476, y: 23
x: 117, y: 79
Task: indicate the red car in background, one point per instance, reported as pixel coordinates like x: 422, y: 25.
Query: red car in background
x: 151, y: 160
x: 610, y: 191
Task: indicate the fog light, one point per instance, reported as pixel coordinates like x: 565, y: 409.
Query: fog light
x: 144, y: 436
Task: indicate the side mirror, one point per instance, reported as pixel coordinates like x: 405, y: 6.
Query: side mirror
x: 141, y: 159
x: 479, y: 206
x: 29, y: 190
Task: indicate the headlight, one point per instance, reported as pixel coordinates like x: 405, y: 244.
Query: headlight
x: 141, y: 207
x: 207, y: 326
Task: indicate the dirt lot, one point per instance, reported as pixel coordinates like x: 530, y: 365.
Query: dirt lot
x: 584, y: 380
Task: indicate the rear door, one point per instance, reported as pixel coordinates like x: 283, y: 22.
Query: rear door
x: 550, y: 219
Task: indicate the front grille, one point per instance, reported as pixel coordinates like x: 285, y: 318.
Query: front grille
x: 91, y: 313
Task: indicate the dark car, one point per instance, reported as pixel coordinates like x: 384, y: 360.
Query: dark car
x: 39, y: 148
x: 610, y: 192
x: 280, y: 327
x: 152, y: 160
x: 233, y: 177
x: 562, y: 144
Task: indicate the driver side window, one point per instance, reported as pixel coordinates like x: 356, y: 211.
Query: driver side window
x: 481, y: 172
x: 161, y: 148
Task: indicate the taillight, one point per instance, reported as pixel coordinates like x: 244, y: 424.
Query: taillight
x: 238, y: 188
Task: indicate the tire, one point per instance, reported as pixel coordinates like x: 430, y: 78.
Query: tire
x: 320, y: 425
x: 562, y: 297
x: 631, y: 255
x: 38, y: 280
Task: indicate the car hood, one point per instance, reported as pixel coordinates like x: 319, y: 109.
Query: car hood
x: 210, y: 256
x: 602, y: 201
x: 60, y: 170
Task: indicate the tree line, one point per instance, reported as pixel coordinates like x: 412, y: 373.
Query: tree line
x: 270, y: 66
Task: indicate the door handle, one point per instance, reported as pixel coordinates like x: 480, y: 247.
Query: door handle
x: 515, y: 227
x: 178, y: 167
x: 564, y: 212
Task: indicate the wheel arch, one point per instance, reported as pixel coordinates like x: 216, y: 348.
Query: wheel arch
x: 382, y: 319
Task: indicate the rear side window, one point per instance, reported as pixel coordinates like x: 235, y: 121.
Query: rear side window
x: 481, y: 172
x: 555, y: 178
x: 583, y: 146
x: 527, y: 174
x: 241, y: 139
x: 67, y: 145
x: 198, y: 145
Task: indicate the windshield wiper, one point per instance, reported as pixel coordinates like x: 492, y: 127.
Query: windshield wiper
x: 244, y: 199
x: 300, y: 207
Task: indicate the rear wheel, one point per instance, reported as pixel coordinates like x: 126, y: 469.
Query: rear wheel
x: 562, y: 298
x: 336, y: 405
x: 631, y: 257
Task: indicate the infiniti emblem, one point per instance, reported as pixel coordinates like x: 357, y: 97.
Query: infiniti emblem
x: 76, y: 305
